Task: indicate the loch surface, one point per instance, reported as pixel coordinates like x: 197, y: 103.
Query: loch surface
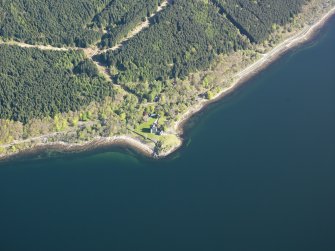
x: 257, y: 172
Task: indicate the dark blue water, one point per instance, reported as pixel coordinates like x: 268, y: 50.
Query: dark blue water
x: 258, y: 173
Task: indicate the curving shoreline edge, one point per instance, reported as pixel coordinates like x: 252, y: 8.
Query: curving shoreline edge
x: 259, y: 65
x: 240, y: 78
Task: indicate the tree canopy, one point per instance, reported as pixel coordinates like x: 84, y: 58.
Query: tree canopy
x: 71, y: 22
x: 184, y: 38
x: 256, y: 18
x: 36, y: 83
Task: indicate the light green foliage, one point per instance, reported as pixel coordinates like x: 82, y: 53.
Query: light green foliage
x: 9, y: 131
x: 123, y: 116
x: 60, y: 123
x: 74, y: 121
x: 209, y: 95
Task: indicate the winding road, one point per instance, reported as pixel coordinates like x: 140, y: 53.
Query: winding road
x: 94, y: 50
x: 90, y: 52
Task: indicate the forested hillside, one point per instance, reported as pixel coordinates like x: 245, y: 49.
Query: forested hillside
x: 35, y: 83
x: 77, y: 22
x: 61, y: 22
x: 188, y: 35
x: 71, y: 22
x: 119, y: 17
x: 184, y: 38
x: 256, y: 18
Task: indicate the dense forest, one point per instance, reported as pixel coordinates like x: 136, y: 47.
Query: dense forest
x: 35, y: 83
x: 61, y: 22
x: 182, y: 39
x: 119, y: 17
x: 257, y: 18
x: 72, y: 23
x: 84, y: 22
x: 186, y: 37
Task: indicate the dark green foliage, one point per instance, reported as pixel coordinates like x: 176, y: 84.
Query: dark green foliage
x: 71, y: 22
x: 86, y: 67
x: 35, y: 83
x: 255, y: 18
x: 182, y: 39
x: 55, y: 22
x: 119, y: 17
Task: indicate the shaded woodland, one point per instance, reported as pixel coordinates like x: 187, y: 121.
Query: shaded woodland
x: 119, y: 17
x: 35, y: 83
x: 71, y: 22
x: 256, y: 19
x: 184, y: 38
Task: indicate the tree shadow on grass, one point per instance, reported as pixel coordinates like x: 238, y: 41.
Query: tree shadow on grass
x: 145, y: 130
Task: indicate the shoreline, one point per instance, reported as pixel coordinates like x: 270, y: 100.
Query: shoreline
x: 302, y: 36
x: 256, y: 67
x: 122, y: 140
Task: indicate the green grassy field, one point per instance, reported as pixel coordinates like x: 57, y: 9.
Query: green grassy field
x: 168, y: 140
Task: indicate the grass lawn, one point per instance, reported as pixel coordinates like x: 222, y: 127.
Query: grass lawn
x: 144, y: 128
x: 168, y: 140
